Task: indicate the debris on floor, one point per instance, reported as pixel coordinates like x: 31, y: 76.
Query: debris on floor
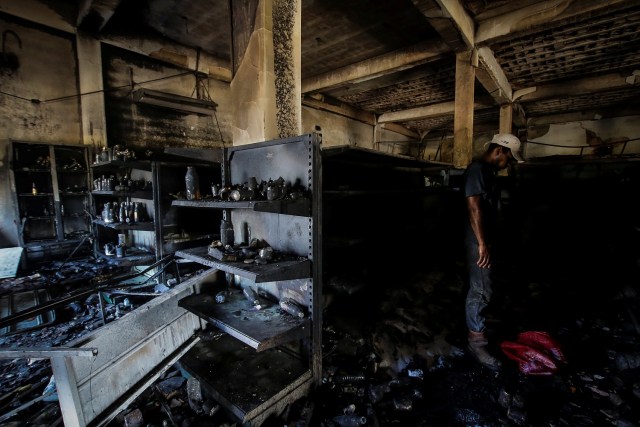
x: 394, y: 354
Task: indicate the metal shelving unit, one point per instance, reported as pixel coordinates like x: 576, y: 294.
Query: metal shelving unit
x: 263, y: 342
x: 50, y: 182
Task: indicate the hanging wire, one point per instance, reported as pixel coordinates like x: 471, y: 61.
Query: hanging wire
x: 113, y: 89
x: 130, y: 86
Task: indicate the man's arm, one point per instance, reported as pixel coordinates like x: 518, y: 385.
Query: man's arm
x: 475, y: 216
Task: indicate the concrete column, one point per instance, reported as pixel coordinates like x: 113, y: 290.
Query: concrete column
x: 94, y: 127
x: 463, y: 114
x: 506, y: 118
x: 266, y: 85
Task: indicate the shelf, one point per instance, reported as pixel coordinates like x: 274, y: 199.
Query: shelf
x: 71, y: 193
x: 300, y: 207
x: 49, y: 217
x: 275, y: 271
x: 72, y: 171
x: 76, y: 215
x: 134, y: 257
x: 245, y: 382
x: 436, y: 189
x: 172, y: 245
x: 140, y: 226
x: 259, y: 329
x: 35, y: 195
x: 28, y: 170
x: 133, y: 164
x: 137, y: 194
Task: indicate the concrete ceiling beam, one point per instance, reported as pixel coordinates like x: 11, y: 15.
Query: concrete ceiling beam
x: 492, y: 77
x: 392, y: 62
x: 427, y: 111
x: 340, y: 109
x: 58, y: 18
x: 93, y: 15
x: 450, y: 20
x: 397, y: 128
x: 576, y: 87
x: 579, y: 116
x: 537, y: 15
x: 175, y: 53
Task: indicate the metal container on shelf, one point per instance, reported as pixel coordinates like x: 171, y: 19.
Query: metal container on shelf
x: 226, y: 233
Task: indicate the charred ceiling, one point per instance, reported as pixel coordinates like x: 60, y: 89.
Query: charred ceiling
x: 391, y: 56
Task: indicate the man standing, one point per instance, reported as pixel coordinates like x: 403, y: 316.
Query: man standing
x: 482, y: 197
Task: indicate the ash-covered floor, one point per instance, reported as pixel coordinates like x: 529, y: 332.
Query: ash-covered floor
x: 393, y: 354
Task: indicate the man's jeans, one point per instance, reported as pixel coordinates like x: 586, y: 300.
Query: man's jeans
x: 480, y: 289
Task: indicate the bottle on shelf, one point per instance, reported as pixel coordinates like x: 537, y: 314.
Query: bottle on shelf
x: 251, y: 295
x: 291, y: 307
x: 192, y: 184
x: 34, y: 189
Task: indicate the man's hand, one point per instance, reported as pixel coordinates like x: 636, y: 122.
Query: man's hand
x: 484, y: 256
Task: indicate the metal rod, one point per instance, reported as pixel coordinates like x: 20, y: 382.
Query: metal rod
x: 104, y: 318
x: 21, y: 407
x: 46, y: 352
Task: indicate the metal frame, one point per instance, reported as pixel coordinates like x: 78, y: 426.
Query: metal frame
x: 99, y: 375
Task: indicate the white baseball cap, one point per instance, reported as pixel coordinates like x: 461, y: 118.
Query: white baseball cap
x: 511, y: 142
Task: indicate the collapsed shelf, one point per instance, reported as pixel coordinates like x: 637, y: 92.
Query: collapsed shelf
x: 260, y: 329
x: 275, y: 271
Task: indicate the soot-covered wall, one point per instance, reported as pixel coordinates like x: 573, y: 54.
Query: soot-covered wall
x: 146, y: 126
x: 39, y: 99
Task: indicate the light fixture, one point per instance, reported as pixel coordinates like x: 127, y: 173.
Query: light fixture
x: 174, y: 102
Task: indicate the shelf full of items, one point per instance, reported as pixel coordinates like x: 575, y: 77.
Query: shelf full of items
x: 123, y: 197
x: 50, y: 184
x: 266, y: 248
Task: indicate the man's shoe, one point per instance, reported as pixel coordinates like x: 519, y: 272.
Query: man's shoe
x: 478, y: 348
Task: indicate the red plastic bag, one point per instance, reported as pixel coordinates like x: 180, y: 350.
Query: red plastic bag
x: 537, y: 353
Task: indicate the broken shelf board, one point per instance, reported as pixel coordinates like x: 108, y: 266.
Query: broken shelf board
x: 260, y: 329
x: 274, y: 271
x: 248, y: 384
x: 299, y: 207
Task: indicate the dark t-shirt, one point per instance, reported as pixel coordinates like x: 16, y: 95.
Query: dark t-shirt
x: 480, y: 180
